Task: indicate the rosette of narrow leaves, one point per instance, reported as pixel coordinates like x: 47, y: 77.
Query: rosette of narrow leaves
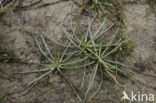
x: 58, y: 61
x: 98, y: 51
x: 87, y: 50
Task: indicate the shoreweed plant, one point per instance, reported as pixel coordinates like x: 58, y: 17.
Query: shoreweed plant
x: 99, y: 52
x: 88, y: 51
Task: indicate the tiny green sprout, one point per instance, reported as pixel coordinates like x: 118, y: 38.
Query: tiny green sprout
x: 57, y: 64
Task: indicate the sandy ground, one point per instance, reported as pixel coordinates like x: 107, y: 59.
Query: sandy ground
x: 53, y: 89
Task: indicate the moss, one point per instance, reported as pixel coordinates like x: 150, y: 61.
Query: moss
x: 127, y: 48
x: 152, y: 5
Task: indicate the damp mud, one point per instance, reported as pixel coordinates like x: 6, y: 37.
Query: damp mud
x: 141, y: 27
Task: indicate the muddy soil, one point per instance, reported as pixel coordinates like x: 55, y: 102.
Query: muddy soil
x: 54, y: 89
